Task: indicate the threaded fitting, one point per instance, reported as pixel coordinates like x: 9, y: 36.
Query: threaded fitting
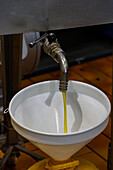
x: 63, y: 85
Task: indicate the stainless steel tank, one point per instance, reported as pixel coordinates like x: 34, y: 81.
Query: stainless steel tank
x: 43, y: 15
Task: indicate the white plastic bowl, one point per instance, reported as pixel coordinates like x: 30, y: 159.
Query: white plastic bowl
x: 37, y: 114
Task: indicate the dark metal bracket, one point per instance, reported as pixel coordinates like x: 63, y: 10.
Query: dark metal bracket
x: 11, y: 50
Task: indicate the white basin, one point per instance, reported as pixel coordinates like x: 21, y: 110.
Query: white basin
x: 37, y: 114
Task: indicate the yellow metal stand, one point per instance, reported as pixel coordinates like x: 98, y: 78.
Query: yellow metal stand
x: 79, y: 164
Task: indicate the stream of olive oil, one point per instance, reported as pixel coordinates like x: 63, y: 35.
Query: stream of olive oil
x: 65, y: 112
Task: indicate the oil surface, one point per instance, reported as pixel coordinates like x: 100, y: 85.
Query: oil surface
x: 65, y: 112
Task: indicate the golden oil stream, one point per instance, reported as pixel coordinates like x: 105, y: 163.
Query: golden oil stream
x: 65, y: 112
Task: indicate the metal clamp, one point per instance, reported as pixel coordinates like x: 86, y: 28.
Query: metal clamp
x: 6, y: 111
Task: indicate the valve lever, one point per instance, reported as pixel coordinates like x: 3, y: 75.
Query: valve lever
x: 32, y: 44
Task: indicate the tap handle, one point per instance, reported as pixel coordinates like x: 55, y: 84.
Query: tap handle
x: 32, y: 44
x: 51, y: 38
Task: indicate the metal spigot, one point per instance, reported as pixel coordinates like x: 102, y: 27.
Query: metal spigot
x: 52, y: 48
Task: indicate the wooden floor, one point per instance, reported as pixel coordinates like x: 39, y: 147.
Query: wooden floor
x: 99, y: 74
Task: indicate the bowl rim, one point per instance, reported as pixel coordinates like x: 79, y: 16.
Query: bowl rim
x: 58, y: 134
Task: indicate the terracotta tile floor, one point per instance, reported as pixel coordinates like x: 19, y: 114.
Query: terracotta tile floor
x: 99, y: 74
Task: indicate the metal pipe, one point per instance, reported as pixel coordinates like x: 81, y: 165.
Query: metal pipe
x: 64, y: 71
x: 54, y: 50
